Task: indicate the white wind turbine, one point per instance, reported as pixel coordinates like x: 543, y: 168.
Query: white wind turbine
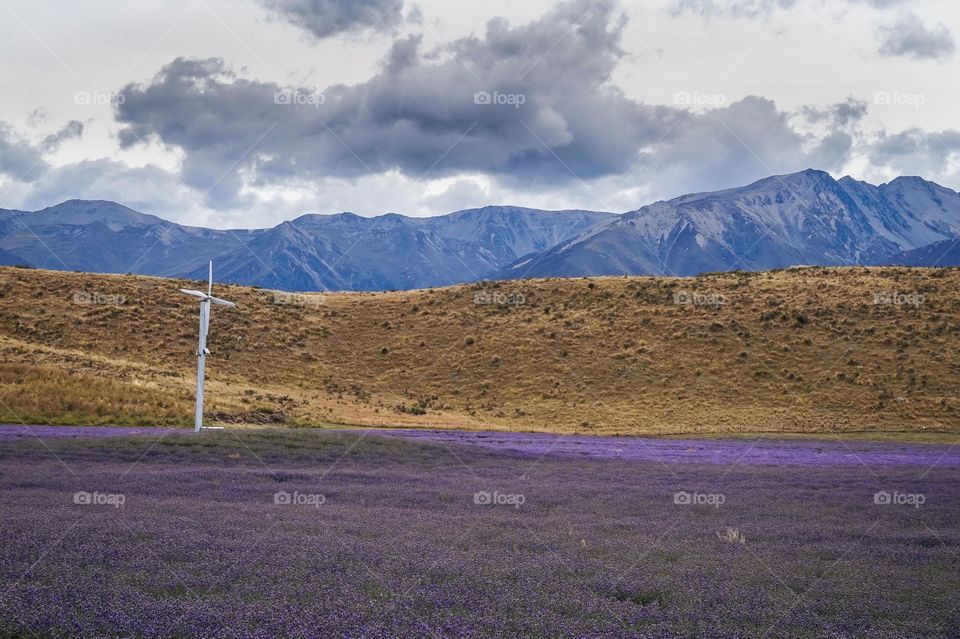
x: 202, y: 352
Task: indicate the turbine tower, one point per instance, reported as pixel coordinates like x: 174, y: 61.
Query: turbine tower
x: 205, y: 300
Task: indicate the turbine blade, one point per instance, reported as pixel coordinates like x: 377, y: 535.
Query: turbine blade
x: 217, y: 300
x: 190, y: 291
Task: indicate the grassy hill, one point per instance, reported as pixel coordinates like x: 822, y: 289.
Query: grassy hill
x: 802, y: 350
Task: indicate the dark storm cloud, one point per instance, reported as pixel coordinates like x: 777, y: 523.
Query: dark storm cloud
x: 325, y: 18
x: 909, y: 37
x: 531, y: 105
x: 528, y: 103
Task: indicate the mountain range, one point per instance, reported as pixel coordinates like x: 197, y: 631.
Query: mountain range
x: 805, y: 218
x: 311, y: 253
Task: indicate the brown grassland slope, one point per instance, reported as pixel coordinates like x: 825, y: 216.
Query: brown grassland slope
x: 802, y: 350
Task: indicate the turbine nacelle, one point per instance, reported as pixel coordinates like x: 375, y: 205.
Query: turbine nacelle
x: 204, y: 297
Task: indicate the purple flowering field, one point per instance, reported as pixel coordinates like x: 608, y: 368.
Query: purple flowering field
x: 310, y: 533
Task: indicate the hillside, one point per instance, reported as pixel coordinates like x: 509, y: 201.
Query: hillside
x: 802, y: 350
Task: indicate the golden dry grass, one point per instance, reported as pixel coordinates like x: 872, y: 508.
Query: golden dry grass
x: 802, y: 350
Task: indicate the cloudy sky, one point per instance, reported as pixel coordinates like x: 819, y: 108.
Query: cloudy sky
x: 244, y: 113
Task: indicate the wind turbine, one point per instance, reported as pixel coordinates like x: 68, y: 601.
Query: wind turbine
x: 205, y: 300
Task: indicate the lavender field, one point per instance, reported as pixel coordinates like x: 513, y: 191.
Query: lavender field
x: 153, y: 533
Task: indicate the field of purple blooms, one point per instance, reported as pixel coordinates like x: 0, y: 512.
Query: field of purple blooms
x: 304, y: 533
